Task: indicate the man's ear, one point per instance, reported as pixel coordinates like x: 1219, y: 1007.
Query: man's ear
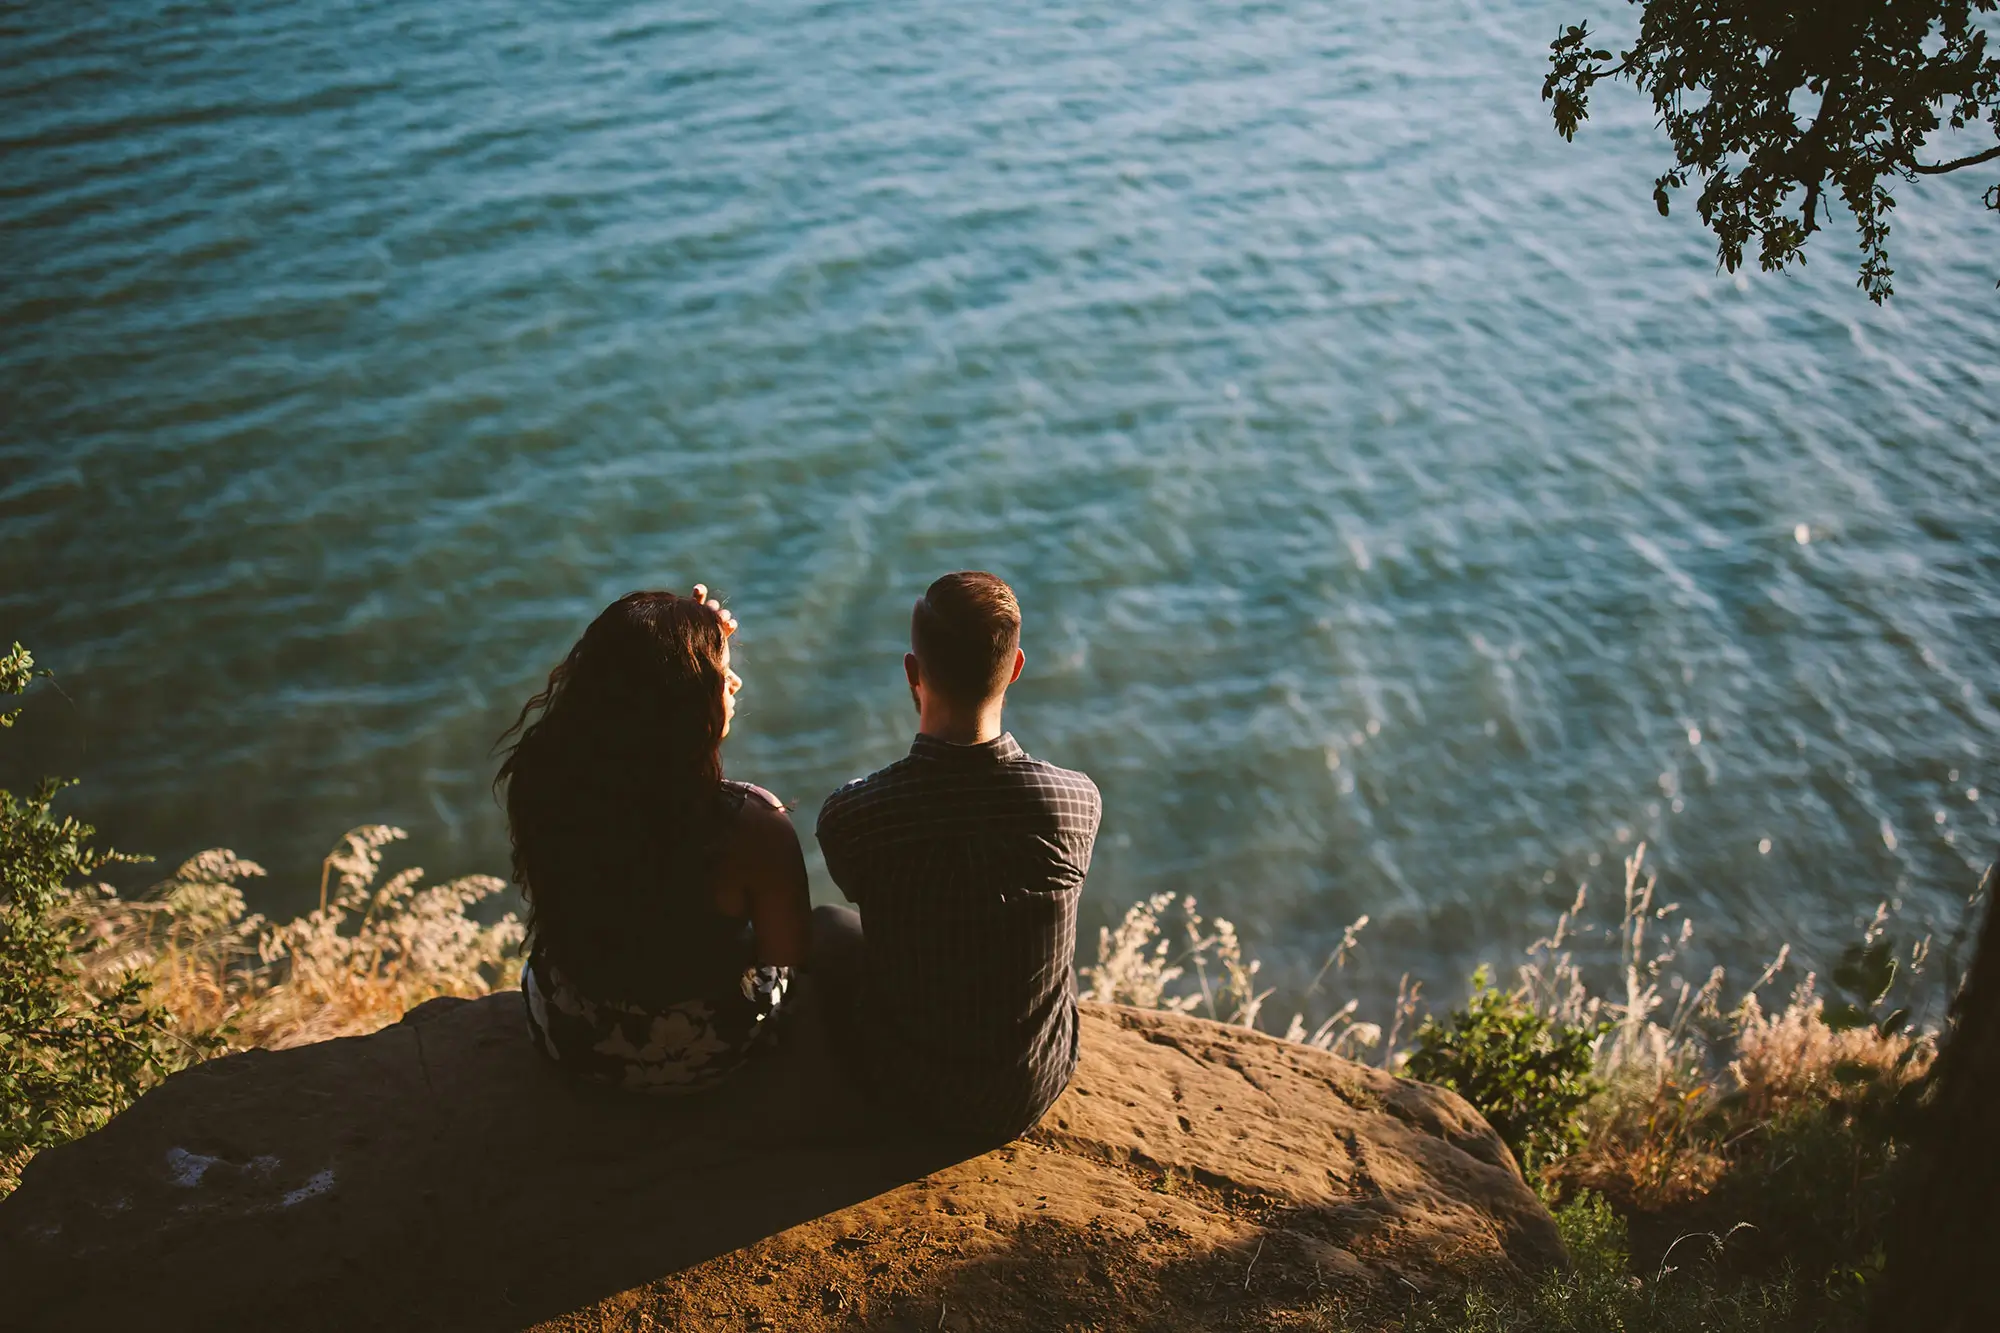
x: 1020, y: 660
x: 912, y: 670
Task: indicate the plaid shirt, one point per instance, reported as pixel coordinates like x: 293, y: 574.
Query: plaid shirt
x: 966, y: 862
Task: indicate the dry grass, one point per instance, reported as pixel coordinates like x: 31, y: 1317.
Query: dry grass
x: 1141, y: 961
x: 1794, y: 1056
x: 1714, y: 1122
x: 1691, y: 1089
x: 355, y: 963
x: 1690, y: 1086
x: 1744, y: 1158
x: 1671, y: 1057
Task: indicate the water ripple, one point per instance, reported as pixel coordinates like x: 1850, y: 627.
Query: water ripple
x: 1394, y: 497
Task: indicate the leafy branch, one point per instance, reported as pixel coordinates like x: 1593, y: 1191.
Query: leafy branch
x: 1729, y: 79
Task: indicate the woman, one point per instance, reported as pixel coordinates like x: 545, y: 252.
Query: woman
x: 667, y: 905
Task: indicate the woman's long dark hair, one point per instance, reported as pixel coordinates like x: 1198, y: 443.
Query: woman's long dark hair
x: 612, y: 787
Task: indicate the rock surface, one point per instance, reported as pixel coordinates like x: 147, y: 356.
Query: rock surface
x: 437, y: 1175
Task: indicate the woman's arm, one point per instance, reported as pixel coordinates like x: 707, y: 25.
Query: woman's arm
x: 765, y: 871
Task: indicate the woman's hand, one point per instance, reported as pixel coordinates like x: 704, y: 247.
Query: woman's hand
x: 727, y: 617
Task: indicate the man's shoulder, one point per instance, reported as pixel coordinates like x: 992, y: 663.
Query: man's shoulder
x: 859, y: 792
x: 1041, y: 772
x: 912, y: 784
x: 1065, y: 792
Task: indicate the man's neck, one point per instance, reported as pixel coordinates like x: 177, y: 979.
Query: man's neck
x: 961, y: 728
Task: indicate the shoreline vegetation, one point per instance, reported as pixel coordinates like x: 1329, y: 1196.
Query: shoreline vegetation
x: 1711, y: 1164
x: 1715, y: 1159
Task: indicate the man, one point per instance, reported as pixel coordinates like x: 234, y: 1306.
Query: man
x: 966, y: 859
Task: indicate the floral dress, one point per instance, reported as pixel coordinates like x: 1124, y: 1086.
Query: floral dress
x: 680, y: 1047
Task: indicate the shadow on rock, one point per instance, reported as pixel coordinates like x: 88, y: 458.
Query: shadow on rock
x: 1193, y: 1177
x: 437, y: 1175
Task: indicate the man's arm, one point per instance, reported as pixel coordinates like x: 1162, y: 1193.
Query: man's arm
x: 1077, y: 810
x: 836, y: 845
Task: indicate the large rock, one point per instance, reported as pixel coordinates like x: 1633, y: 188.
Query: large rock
x: 436, y: 1175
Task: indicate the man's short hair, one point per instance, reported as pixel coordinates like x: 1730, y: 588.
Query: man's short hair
x: 965, y: 630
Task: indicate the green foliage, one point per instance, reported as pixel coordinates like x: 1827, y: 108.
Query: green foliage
x: 1527, y: 1075
x: 1726, y: 76
x: 17, y: 668
x: 1600, y: 1295
x: 69, y: 1058
x: 1596, y: 1238
x: 1865, y: 978
x: 1865, y: 973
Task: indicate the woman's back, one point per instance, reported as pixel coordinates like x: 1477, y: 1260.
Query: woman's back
x: 685, y: 1005
x: 666, y: 904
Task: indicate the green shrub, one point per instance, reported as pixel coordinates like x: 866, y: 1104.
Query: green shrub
x: 69, y: 1058
x: 1527, y: 1075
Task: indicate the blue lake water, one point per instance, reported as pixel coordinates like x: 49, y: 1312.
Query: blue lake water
x: 1408, y: 520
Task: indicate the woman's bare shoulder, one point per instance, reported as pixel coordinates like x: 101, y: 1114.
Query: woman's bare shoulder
x: 763, y: 826
x: 756, y: 796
